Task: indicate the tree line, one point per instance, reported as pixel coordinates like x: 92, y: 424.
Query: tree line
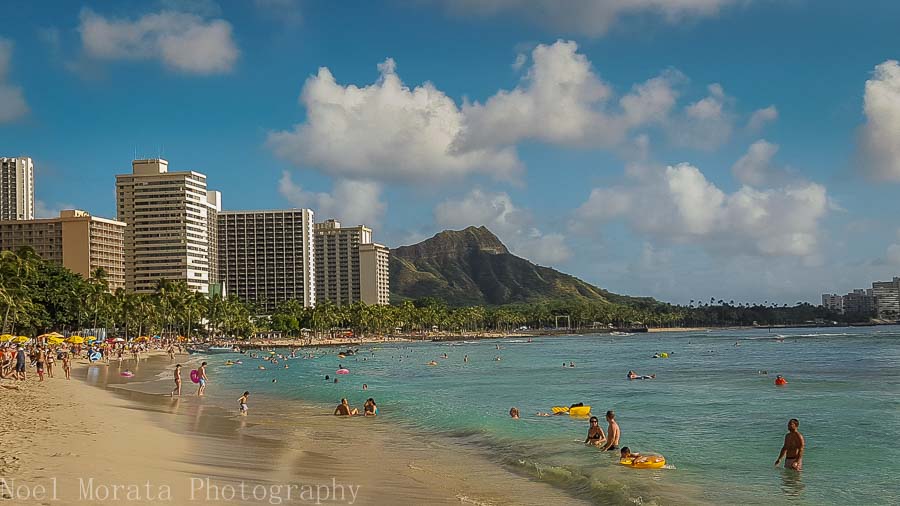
x: 37, y: 296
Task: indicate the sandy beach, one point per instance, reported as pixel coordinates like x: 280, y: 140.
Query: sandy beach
x: 120, y: 440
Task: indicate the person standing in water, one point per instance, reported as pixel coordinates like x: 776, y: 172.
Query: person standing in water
x: 177, y: 389
x: 203, y: 379
x: 792, y: 451
x: 612, y: 431
x: 595, y: 435
x: 243, y: 403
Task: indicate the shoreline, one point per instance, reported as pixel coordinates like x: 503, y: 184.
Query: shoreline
x: 125, y: 432
x: 302, y: 343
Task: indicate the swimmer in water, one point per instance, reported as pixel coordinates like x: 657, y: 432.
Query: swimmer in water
x: 466, y: 359
x: 595, y: 435
x: 514, y: 413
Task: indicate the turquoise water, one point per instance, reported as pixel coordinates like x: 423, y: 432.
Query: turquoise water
x: 719, y: 422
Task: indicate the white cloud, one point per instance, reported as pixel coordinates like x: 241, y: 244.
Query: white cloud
x: 512, y: 225
x: 755, y: 167
x: 351, y: 202
x: 12, y: 100
x: 384, y: 130
x: 705, y: 124
x: 561, y: 100
x: 520, y: 62
x: 893, y: 254
x: 761, y: 117
x: 182, y: 41
x: 589, y: 17
x: 678, y: 204
x: 881, y: 133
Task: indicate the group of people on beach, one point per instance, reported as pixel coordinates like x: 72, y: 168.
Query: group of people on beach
x: 15, y: 360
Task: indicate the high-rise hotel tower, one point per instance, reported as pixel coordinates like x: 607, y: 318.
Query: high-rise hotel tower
x: 169, y: 232
x: 16, y: 188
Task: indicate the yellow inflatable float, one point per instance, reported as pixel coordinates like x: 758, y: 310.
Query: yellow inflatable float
x: 644, y: 461
x: 573, y: 411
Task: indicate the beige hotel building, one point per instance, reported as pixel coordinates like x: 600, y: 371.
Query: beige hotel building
x: 76, y: 240
x: 171, y: 226
x: 349, y: 266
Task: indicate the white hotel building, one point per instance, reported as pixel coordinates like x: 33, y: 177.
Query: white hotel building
x: 169, y: 232
x: 16, y: 188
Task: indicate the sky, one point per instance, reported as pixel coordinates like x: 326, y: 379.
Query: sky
x: 743, y: 150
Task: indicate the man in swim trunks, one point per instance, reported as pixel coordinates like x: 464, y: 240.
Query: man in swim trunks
x: 344, y: 409
x: 792, y: 451
x: 613, y: 434
x: 595, y: 435
x: 202, y: 372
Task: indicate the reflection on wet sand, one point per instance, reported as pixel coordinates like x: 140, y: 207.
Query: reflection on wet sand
x: 287, y: 442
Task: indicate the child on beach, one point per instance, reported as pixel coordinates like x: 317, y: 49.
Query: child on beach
x: 243, y: 403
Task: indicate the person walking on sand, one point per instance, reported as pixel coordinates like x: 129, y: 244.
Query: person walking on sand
x: 177, y: 389
x: 612, y: 433
x: 792, y: 451
x: 67, y: 367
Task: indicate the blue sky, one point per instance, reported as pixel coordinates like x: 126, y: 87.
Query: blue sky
x: 682, y: 149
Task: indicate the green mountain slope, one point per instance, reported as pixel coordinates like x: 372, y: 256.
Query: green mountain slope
x: 472, y: 267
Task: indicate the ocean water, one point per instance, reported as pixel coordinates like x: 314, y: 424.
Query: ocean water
x: 718, y: 421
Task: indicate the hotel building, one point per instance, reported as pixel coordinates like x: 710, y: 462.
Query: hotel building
x: 349, y: 266
x: 887, y: 299
x: 16, y: 188
x: 168, y: 234
x: 266, y: 257
x: 833, y: 302
x: 76, y: 240
x: 859, y: 302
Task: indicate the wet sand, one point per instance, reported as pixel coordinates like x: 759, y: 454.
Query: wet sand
x: 129, y: 431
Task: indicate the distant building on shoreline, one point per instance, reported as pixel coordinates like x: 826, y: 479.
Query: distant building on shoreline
x: 349, y: 266
x: 833, y: 302
x: 76, y: 240
x: 169, y: 232
x: 16, y: 188
x: 860, y: 302
x: 267, y: 257
x: 887, y: 298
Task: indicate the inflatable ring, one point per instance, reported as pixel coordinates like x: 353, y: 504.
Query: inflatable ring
x: 645, y: 462
x: 342, y: 371
x: 195, y: 376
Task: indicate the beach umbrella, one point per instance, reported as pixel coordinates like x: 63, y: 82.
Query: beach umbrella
x: 119, y: 340
x: 5, y: 338
x: 21, y: 340
x: 55, y: 340
x: 76, y: 340
x: 90, y: 339
x: 142, y: 339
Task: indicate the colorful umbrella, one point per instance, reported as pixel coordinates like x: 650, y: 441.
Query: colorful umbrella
x: 76, y: 340
x: 21, y: 340
x: 142, y: 339
x: 5, y: 338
